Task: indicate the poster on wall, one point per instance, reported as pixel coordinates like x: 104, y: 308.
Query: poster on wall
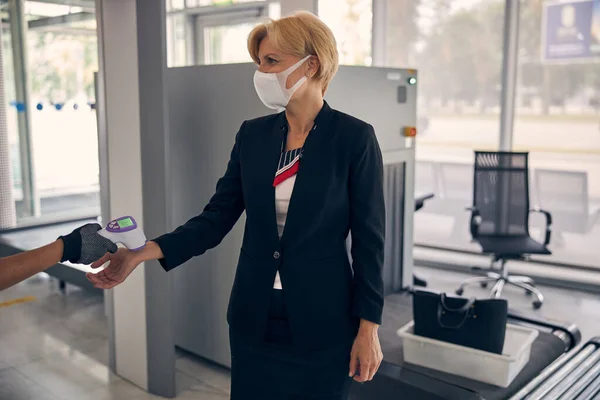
x: 571, y: 31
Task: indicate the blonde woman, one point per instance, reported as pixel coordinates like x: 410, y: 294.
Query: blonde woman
x: 303, y: 319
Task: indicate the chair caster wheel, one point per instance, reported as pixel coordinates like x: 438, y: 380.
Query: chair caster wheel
x: 459, y: 292
x: 484, y: 284
x: 537, y: 305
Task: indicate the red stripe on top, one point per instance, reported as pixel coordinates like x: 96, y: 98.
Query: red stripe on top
x: 287, y: 166
x: 287, y: 174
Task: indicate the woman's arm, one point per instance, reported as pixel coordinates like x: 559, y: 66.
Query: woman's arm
x: 367, y: 225
x: 199, y: 234
x: 208, y: 229
x: 83, y: 245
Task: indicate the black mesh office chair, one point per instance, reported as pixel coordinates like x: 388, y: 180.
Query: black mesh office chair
x: 500, y: 219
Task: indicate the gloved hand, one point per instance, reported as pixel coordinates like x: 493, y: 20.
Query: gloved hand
x: 84, y: 245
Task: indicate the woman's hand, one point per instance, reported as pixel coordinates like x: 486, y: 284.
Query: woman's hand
x: 366, y: 353
x: 122, y: 263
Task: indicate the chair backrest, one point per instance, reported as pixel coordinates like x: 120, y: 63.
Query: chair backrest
x: 501, y: 193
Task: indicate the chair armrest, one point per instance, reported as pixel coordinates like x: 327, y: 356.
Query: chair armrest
x: 594, y: 218
x: 420, y: 200
x: 475, y: 221
x: 548, y: 223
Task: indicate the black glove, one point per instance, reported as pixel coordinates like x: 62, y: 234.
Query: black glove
x: 84, y: 245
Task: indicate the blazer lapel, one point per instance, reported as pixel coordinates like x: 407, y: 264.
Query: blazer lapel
x: 267, y: 167
x: 310, y: 181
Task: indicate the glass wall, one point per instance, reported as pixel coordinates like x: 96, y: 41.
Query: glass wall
x: 456, y: 46
x: 558, y: 122
x: 11, y: 115
x: 201, y: 32
x: 225, y: 44
x: 63, y: 125
x: 215, y: 31
x: 180, y: 4
x: 61, y: 56
x: 352, y: 24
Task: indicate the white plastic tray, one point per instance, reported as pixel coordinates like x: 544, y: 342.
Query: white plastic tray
x: 495, y: 369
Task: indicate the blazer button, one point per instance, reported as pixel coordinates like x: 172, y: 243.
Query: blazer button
x: 276, y: 255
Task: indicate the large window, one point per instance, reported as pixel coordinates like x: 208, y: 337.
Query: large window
x: 456, y: 47
x: 351, y: 22
x: 15, y: 179
x: 558, y: 122
x: 181, y: 4
x: 226, y: 44
x: 63, y: 125
x: 201, y: 32
x: 56, y: 115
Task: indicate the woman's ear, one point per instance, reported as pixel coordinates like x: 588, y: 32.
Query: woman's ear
x: 313, y: 66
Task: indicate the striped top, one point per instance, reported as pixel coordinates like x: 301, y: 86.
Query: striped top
x: 285, y: 178
x: 289, y: 163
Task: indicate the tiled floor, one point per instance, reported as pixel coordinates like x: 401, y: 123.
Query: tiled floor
x: 55, y: 348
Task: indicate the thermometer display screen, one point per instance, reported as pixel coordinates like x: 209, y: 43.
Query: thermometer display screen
x: 125, y: 223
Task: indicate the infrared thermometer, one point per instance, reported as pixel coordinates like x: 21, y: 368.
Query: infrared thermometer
x: 126, y: 231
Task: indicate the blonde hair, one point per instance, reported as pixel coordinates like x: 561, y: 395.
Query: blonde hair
x: 300, y: 35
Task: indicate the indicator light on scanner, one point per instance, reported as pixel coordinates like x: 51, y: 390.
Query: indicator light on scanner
x: 410, y: 131
x: 412, y: 80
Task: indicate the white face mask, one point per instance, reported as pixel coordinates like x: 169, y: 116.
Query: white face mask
x: 271, y: 87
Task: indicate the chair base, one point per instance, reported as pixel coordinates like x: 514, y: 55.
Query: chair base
x: 500, y: 280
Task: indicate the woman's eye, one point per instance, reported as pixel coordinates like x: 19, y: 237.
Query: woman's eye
x: 271, y: 60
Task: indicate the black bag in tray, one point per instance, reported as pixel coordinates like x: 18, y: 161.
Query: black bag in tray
x: 479, y: 324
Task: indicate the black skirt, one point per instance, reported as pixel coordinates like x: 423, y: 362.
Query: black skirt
x: 275, y: 370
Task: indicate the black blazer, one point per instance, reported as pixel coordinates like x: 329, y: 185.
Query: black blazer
x: 339, y: 188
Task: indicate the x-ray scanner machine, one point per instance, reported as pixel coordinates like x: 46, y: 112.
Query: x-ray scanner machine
x: 207, y: 105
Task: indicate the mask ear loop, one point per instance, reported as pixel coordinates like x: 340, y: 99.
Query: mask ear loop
x: 298, y: 84
x: 297, y: 65
x: 300, y: 81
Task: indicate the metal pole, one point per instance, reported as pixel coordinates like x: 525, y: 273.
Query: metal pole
x: 190, y: 39
x: 510, y: 52
x: 155, y: 173
x: 8, y: 218
x: 18, y: 33
x: 379, y: 34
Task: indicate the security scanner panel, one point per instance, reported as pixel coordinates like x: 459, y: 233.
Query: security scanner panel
x: 207, y: 105
x: 384, y: 97
x: 387, y: 99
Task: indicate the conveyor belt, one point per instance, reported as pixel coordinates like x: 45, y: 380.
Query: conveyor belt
x: 575, y: 376
x: 413, y: 382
